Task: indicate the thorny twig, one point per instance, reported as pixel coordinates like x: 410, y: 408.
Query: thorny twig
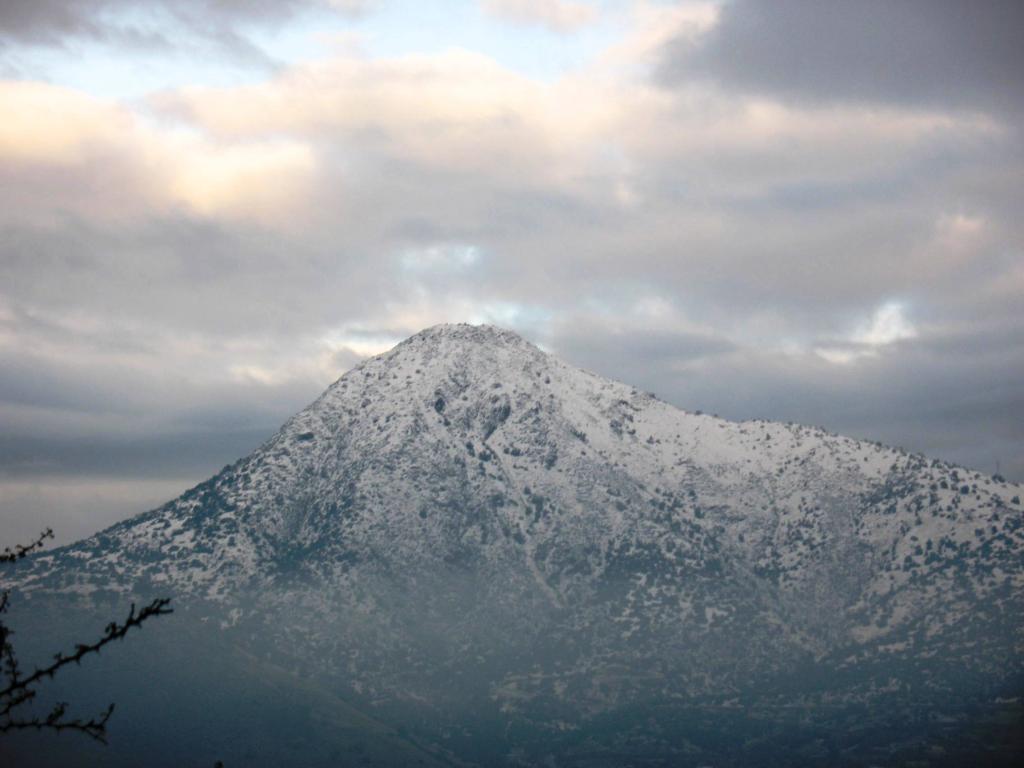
x: 21, y: 550
x: 18, y: 690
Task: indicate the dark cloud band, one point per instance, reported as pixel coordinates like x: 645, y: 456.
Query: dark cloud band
x: 940, y: 53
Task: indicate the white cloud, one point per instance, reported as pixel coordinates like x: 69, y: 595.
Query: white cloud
x: 839, y: 356
x: 105, y: 161
x: 557, y: 15
x: 447, y: 256
x: 352, y: 7
x: 886, y: 326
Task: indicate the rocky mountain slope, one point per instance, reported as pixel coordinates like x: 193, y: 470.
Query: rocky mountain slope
x: 467, y: 533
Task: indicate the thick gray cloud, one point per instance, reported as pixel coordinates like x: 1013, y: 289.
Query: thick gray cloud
x: 53, y: 21
x: 934, y: 52
x: 161, y: 25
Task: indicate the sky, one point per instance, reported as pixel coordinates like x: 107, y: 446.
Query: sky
x: 800, y: 210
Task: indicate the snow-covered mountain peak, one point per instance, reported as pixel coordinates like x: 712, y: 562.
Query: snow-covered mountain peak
x: 468, y: 491
x: 467, y: 333
x: 468, y: 355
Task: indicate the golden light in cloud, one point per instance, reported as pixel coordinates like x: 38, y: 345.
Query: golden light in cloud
x: 253, y: 151
x: 457, y: 110
x: 454, y: 112
x: 116, y: 163
x: 261, y: 179
x: 48, y: 124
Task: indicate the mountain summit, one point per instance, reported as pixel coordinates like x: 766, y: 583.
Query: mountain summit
x: 471, y: 537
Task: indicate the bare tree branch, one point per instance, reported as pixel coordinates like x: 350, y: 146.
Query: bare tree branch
x: 21, y: 550
x: 19, y: 691
x: 95, y: 728
x: 114, y: 631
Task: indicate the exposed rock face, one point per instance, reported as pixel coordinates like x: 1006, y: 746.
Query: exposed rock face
x: 467, y: 524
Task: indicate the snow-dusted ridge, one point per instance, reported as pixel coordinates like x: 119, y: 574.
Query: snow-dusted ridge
x: 467, y: 489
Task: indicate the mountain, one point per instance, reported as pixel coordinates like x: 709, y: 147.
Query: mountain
x: 496, y: 558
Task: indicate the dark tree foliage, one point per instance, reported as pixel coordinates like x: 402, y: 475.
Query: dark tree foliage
x: 19, y: 689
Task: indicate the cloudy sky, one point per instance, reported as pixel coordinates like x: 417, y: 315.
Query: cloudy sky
x: 805, y: 210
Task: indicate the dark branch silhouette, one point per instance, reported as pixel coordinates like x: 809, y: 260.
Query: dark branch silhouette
x: 19, y: 691
x: 22, y: 550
